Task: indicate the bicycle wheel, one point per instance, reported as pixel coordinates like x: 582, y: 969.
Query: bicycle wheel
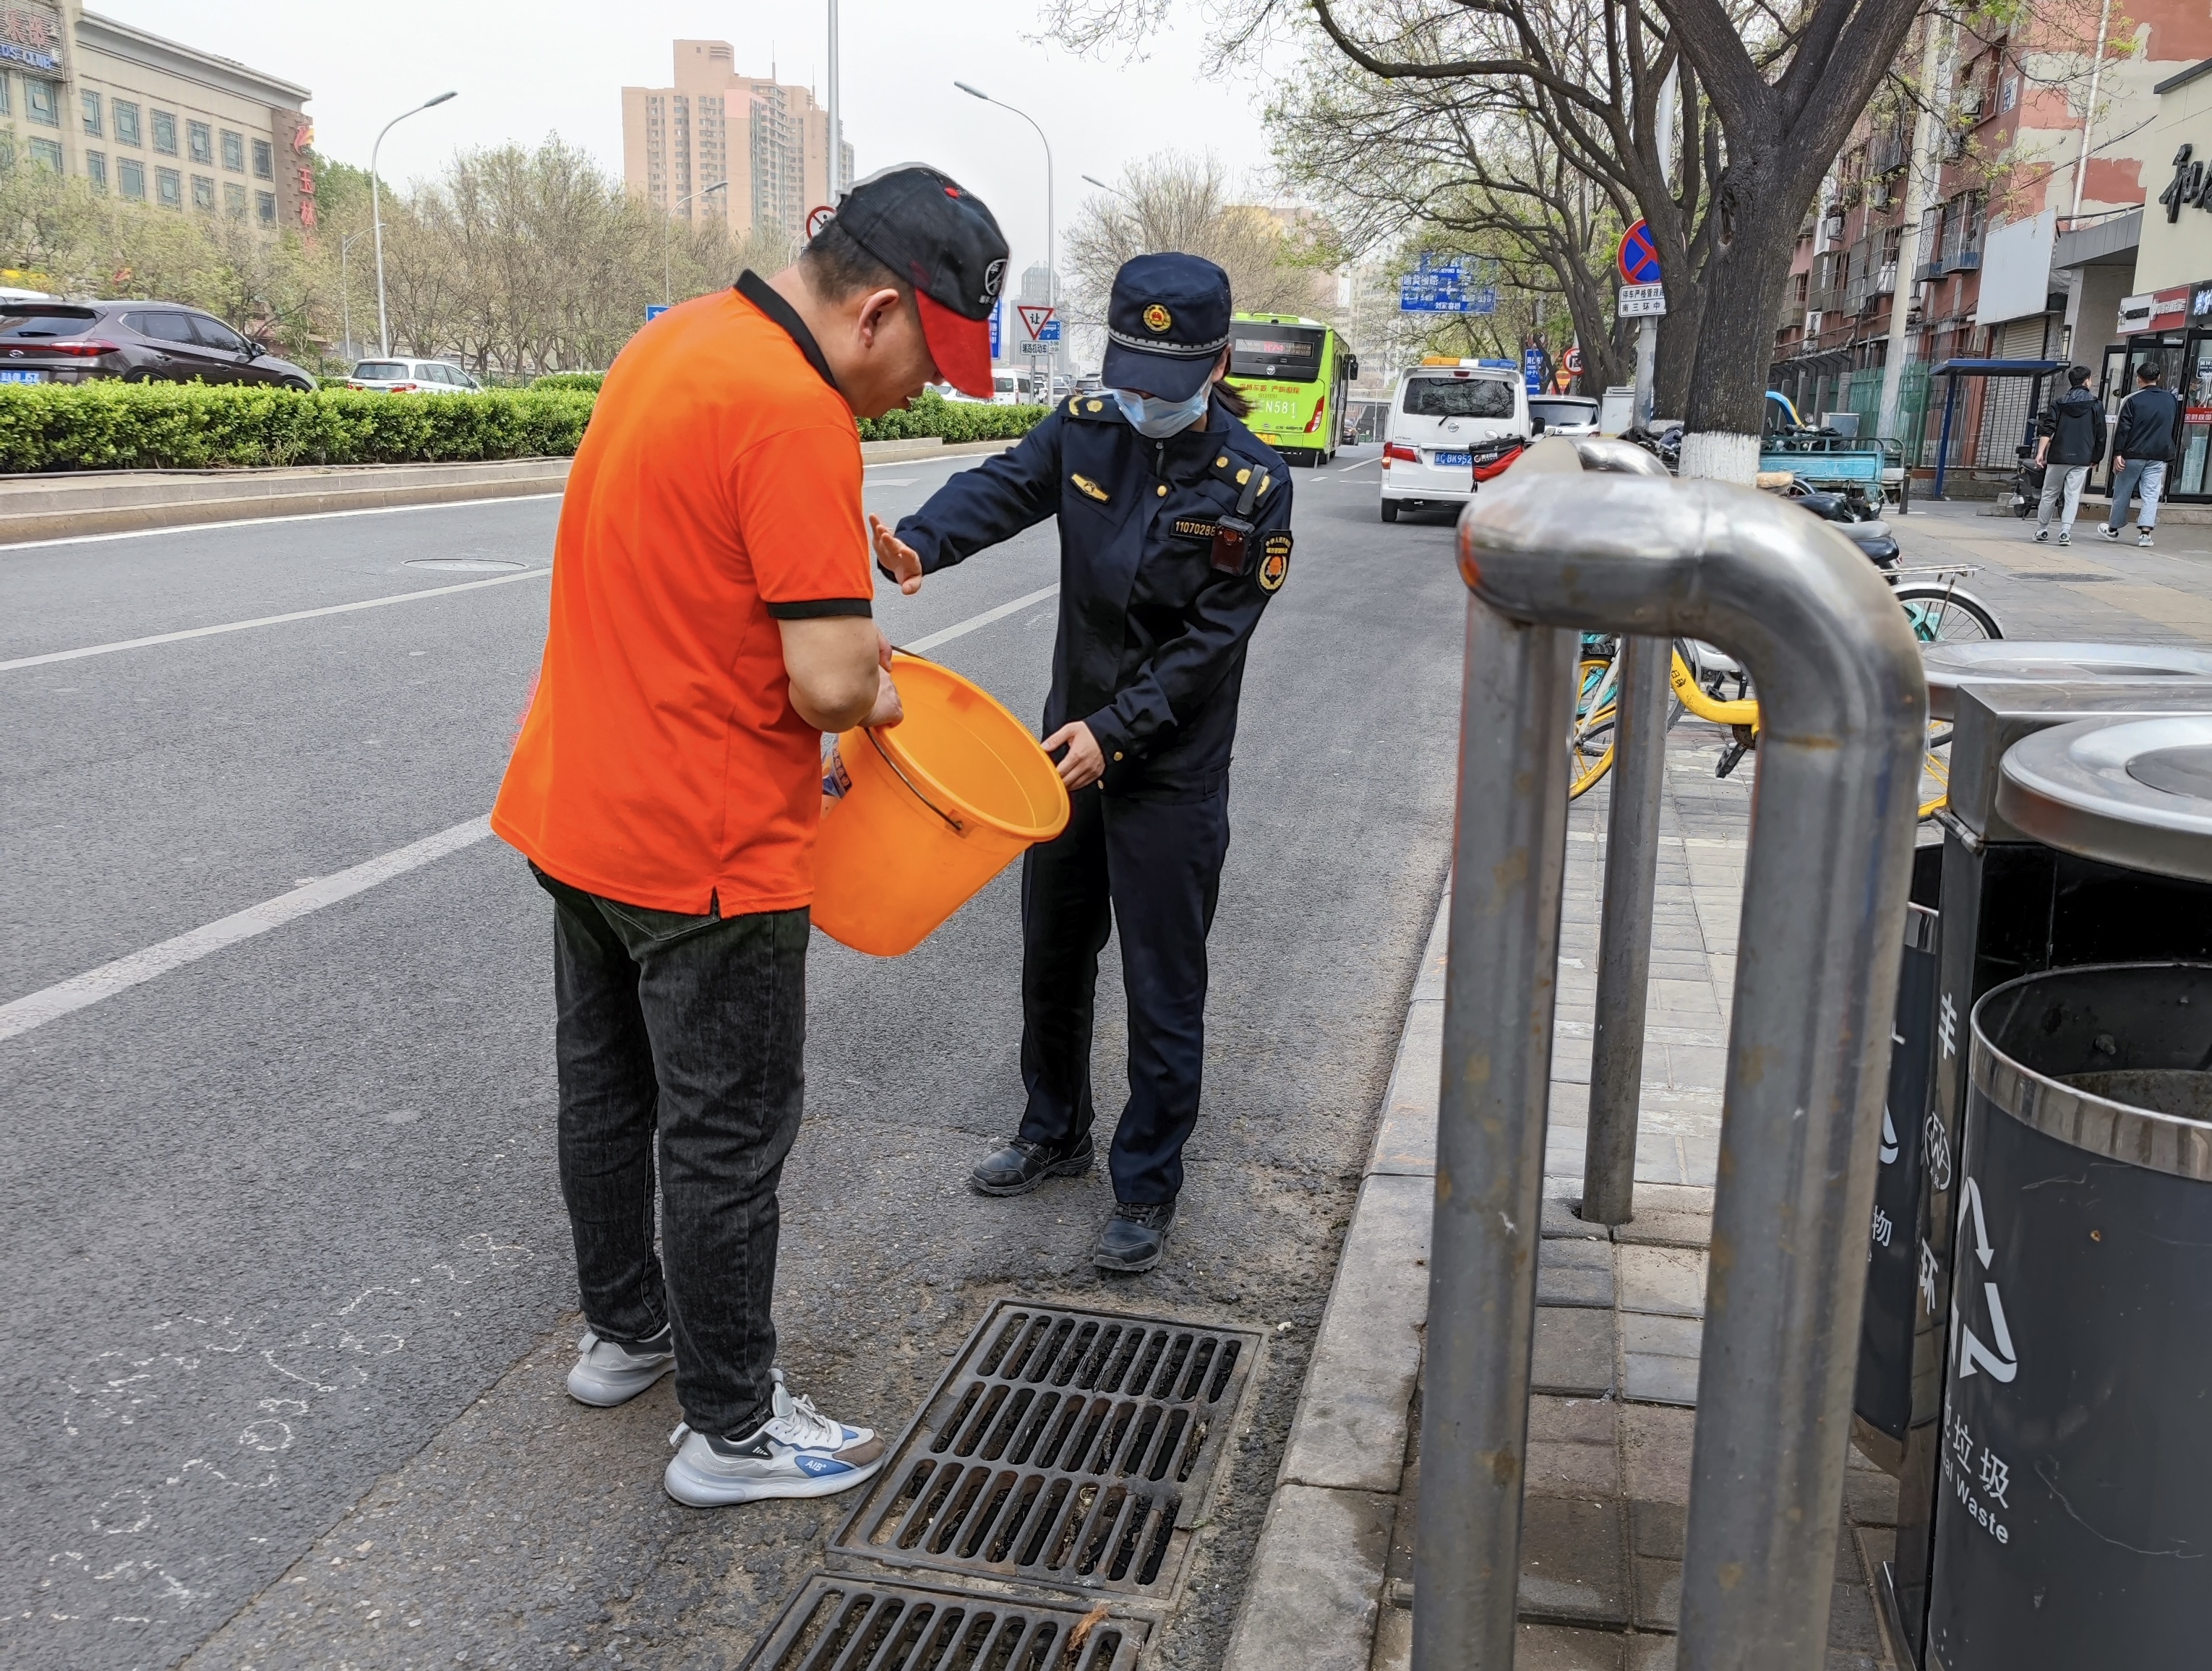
x: 1940, y: 614
x: 1590, y: 738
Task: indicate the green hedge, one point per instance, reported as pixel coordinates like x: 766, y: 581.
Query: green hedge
x: 136, y: 426
x: 140, y: 426
x: 931, y: 414
x: 570, y: 380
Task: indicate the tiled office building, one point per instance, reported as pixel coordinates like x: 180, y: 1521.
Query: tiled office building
x: 766, y: 145
x: 151, y: 120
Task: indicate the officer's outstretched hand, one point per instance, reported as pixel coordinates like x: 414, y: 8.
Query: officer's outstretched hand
x: 1084, y: 764
x: 896, y: 557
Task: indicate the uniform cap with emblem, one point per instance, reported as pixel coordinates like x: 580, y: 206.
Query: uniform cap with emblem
x: 1166, y: 325
x: 926, y: 228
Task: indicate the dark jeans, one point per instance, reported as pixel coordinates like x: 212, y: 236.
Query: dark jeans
x: 1154, y: 867
x: 692, y: 1030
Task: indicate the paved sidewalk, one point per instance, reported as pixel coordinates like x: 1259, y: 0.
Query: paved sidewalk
x: 1620, y: 1318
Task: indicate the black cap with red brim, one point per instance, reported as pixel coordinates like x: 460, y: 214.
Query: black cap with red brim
x: 926, y: 228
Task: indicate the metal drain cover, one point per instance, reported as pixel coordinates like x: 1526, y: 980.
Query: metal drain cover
x: 837, y: 1623
x: 467, y: 565
x: 1062, y: 1447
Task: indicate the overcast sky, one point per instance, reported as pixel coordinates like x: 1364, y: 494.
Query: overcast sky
x: 525, y: 70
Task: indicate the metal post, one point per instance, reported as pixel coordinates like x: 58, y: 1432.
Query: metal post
x: 1944, y: 446
x: 1845, y: 712
x: 376, y: 219
x: 1508, y: 854
x: 1632, y: 861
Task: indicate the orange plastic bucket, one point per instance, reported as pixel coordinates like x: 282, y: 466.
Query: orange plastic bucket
x: 927, y: 811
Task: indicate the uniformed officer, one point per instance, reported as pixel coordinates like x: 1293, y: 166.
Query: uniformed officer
x: 1173, y: 533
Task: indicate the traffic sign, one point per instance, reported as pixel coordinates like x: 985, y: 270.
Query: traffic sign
x: 1643, y: 302
x: 1416, y: 294
x: 998, y: 315
x: 1039, y: 347
x: 818, y: 218
x: 654, y: 310
x: 1638, y: 256
x: 1532, y: 369
x: 1036, y: 319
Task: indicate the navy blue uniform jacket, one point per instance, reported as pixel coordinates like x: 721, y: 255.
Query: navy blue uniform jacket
x: 1150, y: 650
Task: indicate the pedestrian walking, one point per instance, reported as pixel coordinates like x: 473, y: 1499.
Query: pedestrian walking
x: 2142, y: 447
x: 1174, y: 534
x: 2072, y: 440
x: 710, y: 619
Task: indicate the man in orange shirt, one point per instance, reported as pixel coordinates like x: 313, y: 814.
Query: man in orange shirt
x: 710, y: 619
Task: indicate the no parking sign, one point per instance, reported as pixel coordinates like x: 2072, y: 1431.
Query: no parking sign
x: 1638, y: 257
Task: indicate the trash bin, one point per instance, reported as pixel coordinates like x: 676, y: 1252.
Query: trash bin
x: 2074, y: 1528
x: 2011, y: 906
x: 2052, y: 662
x: 2073, y: 1523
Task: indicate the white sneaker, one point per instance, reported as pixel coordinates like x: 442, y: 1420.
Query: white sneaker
x: 797, y: 1452
x: 2042, y: 535
x: 2109, y: 532
x: 2143, y: 537
x: 2065, y: 539
x: 606, y: 1375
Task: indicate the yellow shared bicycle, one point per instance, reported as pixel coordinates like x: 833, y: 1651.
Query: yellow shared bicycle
x: 1701, y: 681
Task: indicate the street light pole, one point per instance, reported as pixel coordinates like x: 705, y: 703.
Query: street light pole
x: 376, y: 219
x: 1051, y: 265
x: 345, y: 291
x: 667, y: 284
x: 837, y: 144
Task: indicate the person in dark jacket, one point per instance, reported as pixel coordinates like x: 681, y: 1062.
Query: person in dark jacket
x: 2143, y: 447
x: 2073, y: 440
x: 1174, y: 535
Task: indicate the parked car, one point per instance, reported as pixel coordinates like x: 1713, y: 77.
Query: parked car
x: 1562, y: 415
x: 412, y: 377
x: 80, y: 342
x: 1452, y: 424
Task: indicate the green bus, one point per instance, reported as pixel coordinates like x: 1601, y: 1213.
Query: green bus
x: 1294, y: 371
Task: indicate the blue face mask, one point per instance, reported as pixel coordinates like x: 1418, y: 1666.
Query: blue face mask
x: 1159, y: 419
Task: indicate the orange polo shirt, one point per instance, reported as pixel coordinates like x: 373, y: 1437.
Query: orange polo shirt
x: 718, y: 488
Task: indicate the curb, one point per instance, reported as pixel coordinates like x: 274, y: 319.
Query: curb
x: 1315, y: 1587
x: 63, y: 507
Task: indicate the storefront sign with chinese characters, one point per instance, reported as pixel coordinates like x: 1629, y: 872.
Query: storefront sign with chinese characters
x: 31, y: 36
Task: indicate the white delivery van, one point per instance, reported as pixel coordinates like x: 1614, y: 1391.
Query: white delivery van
x: 1444, y: 414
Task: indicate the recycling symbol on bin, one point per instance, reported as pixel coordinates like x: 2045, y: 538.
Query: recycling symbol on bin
x: 1973, y: 1355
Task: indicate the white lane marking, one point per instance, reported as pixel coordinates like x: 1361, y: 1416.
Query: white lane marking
x: 961, y: 629
x: 1362, y: 464
x: 894, y: 482
x: 265, y: 521
x: 62, y: 997
x: 268, y: 620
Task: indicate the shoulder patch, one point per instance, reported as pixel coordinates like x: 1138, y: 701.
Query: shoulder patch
x: 1088, y: 488
x: 1274, y: 560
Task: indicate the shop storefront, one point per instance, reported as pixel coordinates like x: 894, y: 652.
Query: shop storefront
x: 2176, y: 336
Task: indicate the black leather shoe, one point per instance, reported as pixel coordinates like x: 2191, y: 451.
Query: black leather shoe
x: 1024, y: 1163
x: 1135, y: 1237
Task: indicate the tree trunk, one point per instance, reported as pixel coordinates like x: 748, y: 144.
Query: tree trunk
x: 1761, y: 208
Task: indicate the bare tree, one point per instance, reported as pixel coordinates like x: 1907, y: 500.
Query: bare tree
x: 1174, y: 201
x: 1782, y: 83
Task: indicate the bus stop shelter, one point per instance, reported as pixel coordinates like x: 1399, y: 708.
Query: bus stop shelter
x: 2025, y: 376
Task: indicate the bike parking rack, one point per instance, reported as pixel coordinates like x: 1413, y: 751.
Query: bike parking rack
x: 1843, y: 724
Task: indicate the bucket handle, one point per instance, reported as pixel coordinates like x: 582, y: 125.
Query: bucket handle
x: 956, y: 826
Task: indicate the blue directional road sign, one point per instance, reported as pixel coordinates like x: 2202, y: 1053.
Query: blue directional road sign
x: 1532, y: 368
x: 998, y: 317
x: 654, y: 310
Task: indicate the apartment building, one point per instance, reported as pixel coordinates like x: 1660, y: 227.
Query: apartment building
x: 752, y: 152
x: 2025, y: 172
x: 150, y: 119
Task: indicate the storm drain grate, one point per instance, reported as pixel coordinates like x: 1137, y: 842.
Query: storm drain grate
x: 840, y: 1624
x: 1063, y: 1447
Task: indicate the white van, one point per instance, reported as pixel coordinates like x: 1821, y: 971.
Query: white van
x: 1444, y: 414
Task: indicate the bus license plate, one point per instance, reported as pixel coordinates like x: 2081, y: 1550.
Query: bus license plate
x: 1447, y: 458
x: 23, y: 377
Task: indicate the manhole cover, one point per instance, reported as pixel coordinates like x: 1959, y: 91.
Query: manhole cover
x: 1067, y: 1448
x: 467, y: 565
x: 839, y: 1624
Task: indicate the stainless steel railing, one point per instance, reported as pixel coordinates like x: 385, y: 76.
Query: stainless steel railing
x: 1843, y: 713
